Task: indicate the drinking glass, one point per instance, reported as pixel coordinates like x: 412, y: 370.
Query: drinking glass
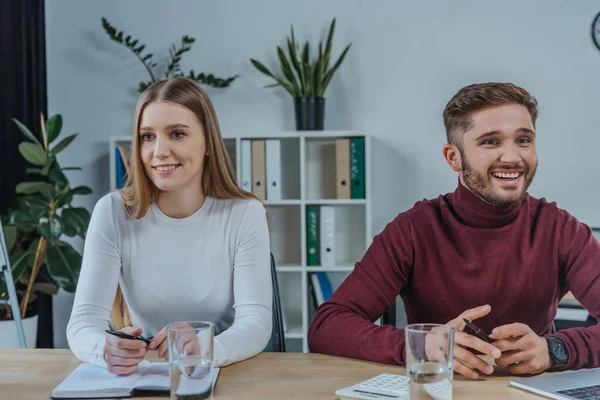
x: 190, y: 347
x: 430, y: 361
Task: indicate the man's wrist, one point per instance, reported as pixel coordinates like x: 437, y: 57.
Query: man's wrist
x: 557, y: 352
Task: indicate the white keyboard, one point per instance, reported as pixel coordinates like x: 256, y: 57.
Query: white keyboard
x: 392, y: 386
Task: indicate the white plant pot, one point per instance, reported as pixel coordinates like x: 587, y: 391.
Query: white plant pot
x: 8, y: 333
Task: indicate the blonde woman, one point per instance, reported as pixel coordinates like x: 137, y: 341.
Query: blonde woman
x: 179, y: 242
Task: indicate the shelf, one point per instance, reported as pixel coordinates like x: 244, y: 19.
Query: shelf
x: 296, y: 134
x: 294, y: 333
x: 289, y: 268
x: 330, y: 269
x: 283, y: 203
x: 338, y: 202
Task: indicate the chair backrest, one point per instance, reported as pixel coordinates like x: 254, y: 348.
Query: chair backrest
x: 396, y: 315
x: 277, y: 343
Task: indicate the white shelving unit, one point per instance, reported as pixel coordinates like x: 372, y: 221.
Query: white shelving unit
x: 308, y: 178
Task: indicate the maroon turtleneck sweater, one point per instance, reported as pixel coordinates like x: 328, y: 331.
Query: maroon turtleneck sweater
x: 454, y: 253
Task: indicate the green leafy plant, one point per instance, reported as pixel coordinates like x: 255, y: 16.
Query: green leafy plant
x: 42, y: 213
x: 303, y: 75
x: 173, y: 66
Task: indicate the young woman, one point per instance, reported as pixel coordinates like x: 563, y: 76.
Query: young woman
x: 179, y: 242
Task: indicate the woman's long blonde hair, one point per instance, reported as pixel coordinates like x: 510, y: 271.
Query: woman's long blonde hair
x: 218, y: 176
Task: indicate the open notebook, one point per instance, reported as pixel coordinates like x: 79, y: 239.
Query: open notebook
x: 90, y: 381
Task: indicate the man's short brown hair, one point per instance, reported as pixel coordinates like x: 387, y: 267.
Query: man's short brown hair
x: 476, y: 97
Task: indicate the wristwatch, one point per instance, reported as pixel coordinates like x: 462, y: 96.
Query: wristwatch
x: 557, y: 351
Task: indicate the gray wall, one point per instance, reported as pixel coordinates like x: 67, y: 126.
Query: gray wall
x: 407, y: 59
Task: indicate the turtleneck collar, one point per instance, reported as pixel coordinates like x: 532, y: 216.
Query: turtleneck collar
x: 475, y: 212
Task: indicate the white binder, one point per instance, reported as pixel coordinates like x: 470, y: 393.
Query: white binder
x: 327, y: 231
x: 273, y: 150
x: 246, y: 165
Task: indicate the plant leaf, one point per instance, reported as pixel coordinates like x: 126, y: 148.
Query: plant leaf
x: 36, y: 171
x: 33, y: 201
x: 20, y: 218
x: 48, y: 164
x: 286, y: 68
x: 56, y: 175
x: 79, y: 219
x: 26, y: 132
x: 37, y: 206
x: 295, y: 62
x: 259, y: 66
x: 34, y: 153
x: 32, y: 187
x: 20, y: 263
x: 63, y: 265
x: 81, y: 190
x: 63, y: 143
x: 53, y: 126
x: 50, y: 228
x: 10, y: 236
x: 328, y: 46
x: 330, y: 73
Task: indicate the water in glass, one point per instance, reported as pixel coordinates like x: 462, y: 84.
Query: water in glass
x: 430, y: 380
x: 191, y: 378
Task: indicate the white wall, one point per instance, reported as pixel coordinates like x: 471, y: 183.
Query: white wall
x: 407, y: 59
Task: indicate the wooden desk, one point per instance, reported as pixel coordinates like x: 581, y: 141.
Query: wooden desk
x: 31, y: 374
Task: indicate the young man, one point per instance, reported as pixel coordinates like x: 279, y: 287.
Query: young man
x: 487, y: 251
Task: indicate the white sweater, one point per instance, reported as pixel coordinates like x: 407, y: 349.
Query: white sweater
x: 213, y: 266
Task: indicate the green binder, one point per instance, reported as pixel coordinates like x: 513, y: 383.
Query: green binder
x: 312, y: 235
x: 357, y: 168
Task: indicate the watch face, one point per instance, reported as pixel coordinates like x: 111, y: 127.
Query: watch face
x: 596, y: 31
x: 558, y: 351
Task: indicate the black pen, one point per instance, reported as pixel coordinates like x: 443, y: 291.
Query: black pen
x: 478, y: 331
x: 126, y: 336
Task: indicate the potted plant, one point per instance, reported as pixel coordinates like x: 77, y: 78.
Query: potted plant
x: 173, y: 67
x: 35, y: 225
x: 305, y: 78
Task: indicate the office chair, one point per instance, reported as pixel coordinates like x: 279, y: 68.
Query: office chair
x: 277, y: 342
x: 396, y: 315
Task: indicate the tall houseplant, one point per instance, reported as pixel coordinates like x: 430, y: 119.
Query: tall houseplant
x: 305, y: 77
x: 40, y: 217
x: 173, y: 67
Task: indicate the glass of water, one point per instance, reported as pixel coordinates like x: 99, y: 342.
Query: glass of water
x: 190, y: 347
x: 430, y: 361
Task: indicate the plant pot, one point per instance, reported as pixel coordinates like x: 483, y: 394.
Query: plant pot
x: 8, y: 333
x: 310, y: 113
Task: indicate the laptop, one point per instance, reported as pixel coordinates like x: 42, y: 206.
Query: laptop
x: 573, y: 385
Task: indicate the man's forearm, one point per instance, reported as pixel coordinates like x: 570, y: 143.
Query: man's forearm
x: 348, y: 334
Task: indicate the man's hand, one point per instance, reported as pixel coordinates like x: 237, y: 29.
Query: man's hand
x: 523, y: 351
x: 463, y: 341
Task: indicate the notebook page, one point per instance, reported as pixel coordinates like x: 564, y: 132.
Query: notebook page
x: 89, y: 380
x: 190, y: 386
x: 155, y: 377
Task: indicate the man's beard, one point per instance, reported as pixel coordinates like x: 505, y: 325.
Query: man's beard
x: 482, y: 186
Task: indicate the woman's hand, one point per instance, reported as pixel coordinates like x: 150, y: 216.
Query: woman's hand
x: 122, y: 356
x: 186, y: 342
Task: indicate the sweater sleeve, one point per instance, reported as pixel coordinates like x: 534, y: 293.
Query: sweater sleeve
x: 96, y: 286
x: 344, y: 324
x: 252, y: 291
x: 580, y: 252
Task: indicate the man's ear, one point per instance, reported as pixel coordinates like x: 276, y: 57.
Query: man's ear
x: 452, y: 157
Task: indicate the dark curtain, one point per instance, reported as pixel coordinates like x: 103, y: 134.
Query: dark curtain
x: 22, y: 96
